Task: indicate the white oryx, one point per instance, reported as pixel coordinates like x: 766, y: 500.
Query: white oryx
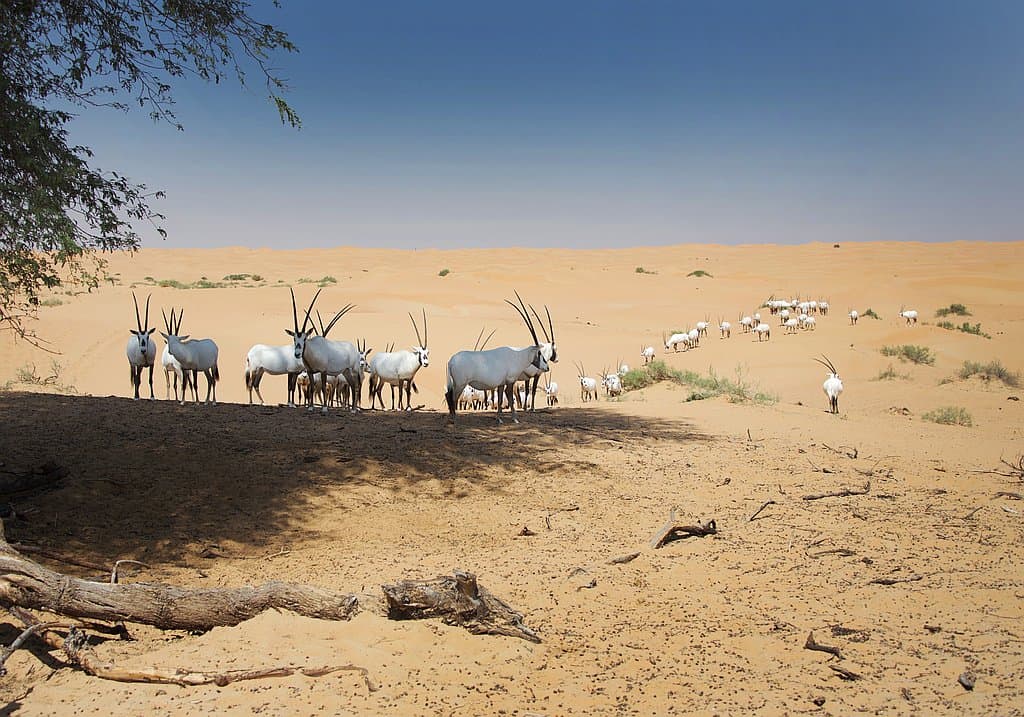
x: 623, y: 368
x: 141, y: 350
x: 833, y: 385
x: 274, y: 360
x: 702, y: 326
x: 725, y: 329
x: 673, y: 341
x: 497, y: 368
x: 551, y: 391
x: 588, y: 385
x: 763, y: 331
x: 808, y: 322
x: 747, y: 322
x: 693, y: 338
x: 171, y: 365
x: 612, y: 384
x: 550, y: 351
x: 853, y: 317
x: 398, y: 368
x: 194, y: 356
x: 647, y: 353
x: 791, y: 325
x: 321, y: 355
x: 909, y: 314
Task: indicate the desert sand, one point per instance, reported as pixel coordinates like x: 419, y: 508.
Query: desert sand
x: 232, y: 494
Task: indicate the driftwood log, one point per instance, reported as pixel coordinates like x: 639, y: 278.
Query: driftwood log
x: 458, y: 600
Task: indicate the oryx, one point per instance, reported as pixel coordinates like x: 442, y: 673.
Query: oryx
x: 398, y: 368
x: 141, y: 350
x: 194, y: 356
x: 323, y: 356
x: 498, y: 368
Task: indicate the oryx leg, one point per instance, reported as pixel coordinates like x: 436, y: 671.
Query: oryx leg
x: 152, y: 395
x: 209, y: 385
x: 510, y: 390
x: 292, y: 378
x: 257, y: 377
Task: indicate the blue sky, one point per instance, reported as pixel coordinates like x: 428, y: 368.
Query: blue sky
x: 598, y: 123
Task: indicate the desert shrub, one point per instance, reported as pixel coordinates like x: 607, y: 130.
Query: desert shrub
x: 735, y: 389
x: 205, y: 283
x: 700, y: 273
x: 51, y: 301
x: 889, y: 374
x: 872, y: 314
x: 28, y: 375
x: 967, y: 327
x: 444, y: 272
x: 993, y: 370
x: 949, y: 416
x: 953, y: 309
x: 641, y: 270
x: 911, y: 353
x: 173, y: 284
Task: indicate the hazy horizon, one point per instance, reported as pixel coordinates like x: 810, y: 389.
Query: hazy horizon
x: 598, y: 124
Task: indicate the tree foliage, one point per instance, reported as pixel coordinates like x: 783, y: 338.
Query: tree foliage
x: 58, y: 213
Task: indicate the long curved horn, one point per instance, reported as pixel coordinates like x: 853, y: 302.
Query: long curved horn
x: 138, y: 321
x: 295, y: 310
x: 827, y: 364
x: 550, y: 323
x: 416, y: 329
x: 347, y: 308
x: 145, y: 326
x: 177, y: 326
x: 167, y: 325
x: 525, y: 316
x: 424, y: 327
x: 541, y: 322
x: 309, y: 310
x: 476, y: 344
x: 484, y: 344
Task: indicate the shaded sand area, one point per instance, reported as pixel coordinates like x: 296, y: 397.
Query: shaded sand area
x: 231, y: 494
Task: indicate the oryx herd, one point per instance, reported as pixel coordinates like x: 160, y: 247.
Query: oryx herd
x: 332, y: 373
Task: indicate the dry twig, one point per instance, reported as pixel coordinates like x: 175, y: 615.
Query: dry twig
x: 843, y: 493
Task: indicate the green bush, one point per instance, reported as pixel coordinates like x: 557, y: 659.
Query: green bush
x: 173, y: 284
x: 954, y: 309
x: 889, y: 374
x: 872, y: 314
x: 736, y: 390
x: 967, y: 327
x: 993, y: 370
x: 444, y: 272
x: 949, y: 416
x: 911, y: 353
x: 641, y: 270
x: 700, y: 273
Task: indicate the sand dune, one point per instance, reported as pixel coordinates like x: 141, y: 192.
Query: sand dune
x: 713, y: 625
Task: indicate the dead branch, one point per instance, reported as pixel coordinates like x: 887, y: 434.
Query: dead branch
x: 1007, y: 494
x: 458, y: 600
x: 842, y: 552
x: 844, y: 674
x: 623, y: 559
x: 893, y: 581
x: 843, y: 493
x: 758, y: 511
x: 6, y: 652
x: 816, y: 469
x: 971, y: 514
x: 850, y: 452
x: 670, y: 531
x: 117, y: 566
x: 812, y: 644
x: 78, y: 652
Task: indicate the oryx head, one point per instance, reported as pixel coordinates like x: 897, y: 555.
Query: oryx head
x: 173, y: 326
x: 143, y: 333
x: 299, y: 336
x: 550, y: 349
x: 540, y: 362
x: 832, y: 373
x: 420, y: 349
x: 363, y: 353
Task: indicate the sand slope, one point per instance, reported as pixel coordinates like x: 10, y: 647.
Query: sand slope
x: 711, y: 625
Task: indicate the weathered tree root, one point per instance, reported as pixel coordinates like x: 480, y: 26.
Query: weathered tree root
x: 670, y: 531
x: 458, y: 600
x: 839, y: 493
